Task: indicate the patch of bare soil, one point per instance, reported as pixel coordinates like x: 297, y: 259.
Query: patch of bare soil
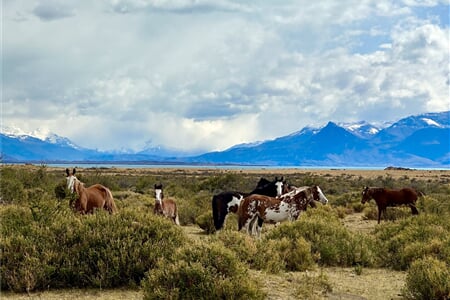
x: 371, y: 284
x: 194, y: 232
x: 76, y: 294
x: 357, y: 223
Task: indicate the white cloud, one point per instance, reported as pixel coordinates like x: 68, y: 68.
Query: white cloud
x: 211, y: 74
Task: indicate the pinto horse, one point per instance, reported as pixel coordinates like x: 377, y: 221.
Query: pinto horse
x: 165, y: 207
x: 229, y: 201
x: 387, y: 197
x: 269, y: 209
x: 88, y: 199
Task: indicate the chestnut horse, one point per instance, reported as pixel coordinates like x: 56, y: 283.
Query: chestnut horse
x: 229, y: 201
x: 387, y: 197
x: 88, y: 199
x: 165, y: 207
x: 269, y: 209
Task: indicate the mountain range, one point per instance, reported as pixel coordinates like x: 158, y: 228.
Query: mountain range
x: 415, y: 141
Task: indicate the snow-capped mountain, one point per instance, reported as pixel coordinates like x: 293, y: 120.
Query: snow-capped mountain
x: 414, y: 141
x: 361, y: 129
x: 41, y: 134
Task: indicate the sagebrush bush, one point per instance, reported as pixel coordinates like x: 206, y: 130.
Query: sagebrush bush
x: 331, y: 243
x: 312, y: 287
x: 243, y: 245
x: 201, y: 271
x: 428, y: 278
x: 205, y: 222
x: 391, y: 214
x: 71, y: 250
x: 11, y: 191
x: 400, y: 243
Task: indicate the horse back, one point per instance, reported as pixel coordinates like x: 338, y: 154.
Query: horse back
x: 397, y: 197
x: 169, y: 207
x: 101, y: 196
x: 248, y: 208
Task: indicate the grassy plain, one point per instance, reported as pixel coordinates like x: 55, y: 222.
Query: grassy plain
x: 342, y: 186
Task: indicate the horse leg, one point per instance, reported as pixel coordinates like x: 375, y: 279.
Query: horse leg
x: 379, y: 214
x: 251, y: 226
x: 257, y: 228
x: 176, y: 220
x: 414, y: 210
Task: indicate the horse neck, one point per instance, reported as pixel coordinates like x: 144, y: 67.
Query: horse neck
x: 267, y: 190
x: 309, y: 194
x: 303, y: 201
x: 159, y: 195
x: 374, y: 191
x: 78, y: 186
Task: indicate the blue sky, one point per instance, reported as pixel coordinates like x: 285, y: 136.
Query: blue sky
x: 202, y: 75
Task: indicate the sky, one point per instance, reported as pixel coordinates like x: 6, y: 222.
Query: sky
x: 204, y: 75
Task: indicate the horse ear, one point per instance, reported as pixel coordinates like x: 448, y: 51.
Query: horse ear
x: 73, y: 172
x: 67, y: 171
x: 282, y: 178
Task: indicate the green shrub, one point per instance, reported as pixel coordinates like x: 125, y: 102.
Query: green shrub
x: 11, y: 191
x: 296, y: 254
x: 331, y: 243
x: 71, y: 250
x: 201, y: 272
x: 400, y: 243
x: 205, y: 222
x: 428, y: 278
x: 312, y: 287
x: 243, y: 245
x: 268, y: 258
x: 191, y: 205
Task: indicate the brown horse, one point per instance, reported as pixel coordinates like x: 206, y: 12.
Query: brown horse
x: 165, y: 207
x: 387, y: 197
x: 269, y: 209
x: 88, y: 199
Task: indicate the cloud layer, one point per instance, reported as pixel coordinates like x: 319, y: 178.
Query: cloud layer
x: 205, y: 75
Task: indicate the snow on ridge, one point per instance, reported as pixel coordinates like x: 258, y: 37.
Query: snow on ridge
x: 39, y: 133
x: 431, y: 122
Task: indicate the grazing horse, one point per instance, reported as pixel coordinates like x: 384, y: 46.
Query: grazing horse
x: 387, y: 197
x: 165, y: 207
x: 269, y: 209
x: 95, y: 196
x: 226, y: 202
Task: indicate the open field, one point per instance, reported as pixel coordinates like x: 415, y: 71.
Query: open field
x: 133, y: 188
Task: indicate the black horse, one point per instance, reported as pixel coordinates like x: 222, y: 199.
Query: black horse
x: 229, y: 201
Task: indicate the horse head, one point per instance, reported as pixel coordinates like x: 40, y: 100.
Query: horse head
x: 159, y: 192
x: 279, y: 183
x: 318, y: 195
x: 262, y: 182
x: 366, y: 195
x: 270, y: 188
x: 71, y: 180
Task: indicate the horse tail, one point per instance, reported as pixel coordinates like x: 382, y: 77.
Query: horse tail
x: 241, y: 213
x: 217, y: 210
x: 109, y: 202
